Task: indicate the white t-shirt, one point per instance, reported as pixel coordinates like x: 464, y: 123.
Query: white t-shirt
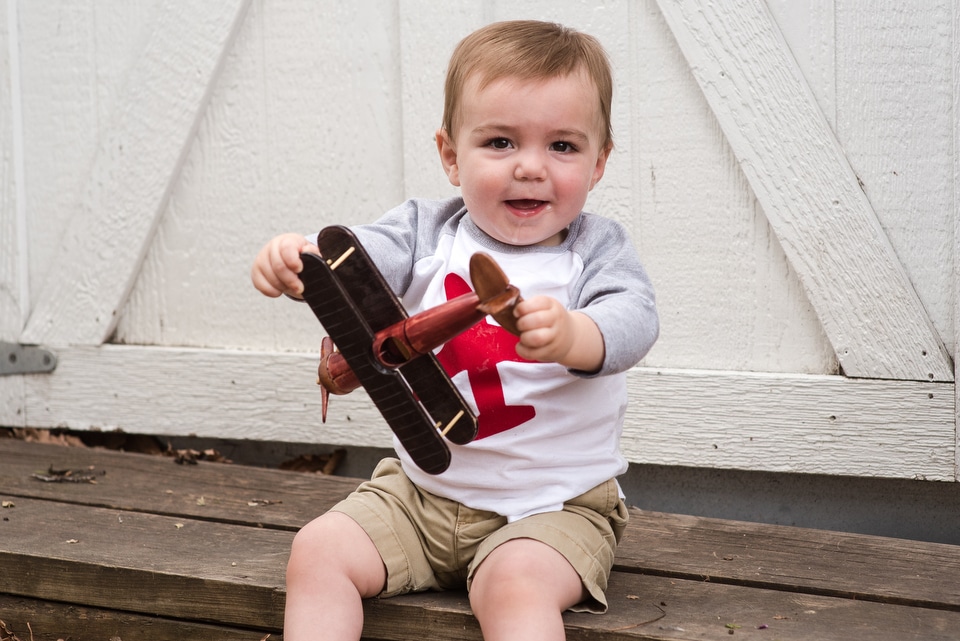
x: 546, y: 434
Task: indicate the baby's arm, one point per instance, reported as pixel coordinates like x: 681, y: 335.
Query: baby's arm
x: 275, y: 269
x: 551, y: 333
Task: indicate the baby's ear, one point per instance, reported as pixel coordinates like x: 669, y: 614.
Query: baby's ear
x: 601, y: 164
x: 448, y: 157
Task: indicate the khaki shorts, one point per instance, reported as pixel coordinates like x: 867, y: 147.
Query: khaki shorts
x: 431, y: 543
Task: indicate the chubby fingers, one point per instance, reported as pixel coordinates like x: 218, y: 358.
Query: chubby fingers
x: 541, y: 321
x: 276, y: 267
x: 551, y: 333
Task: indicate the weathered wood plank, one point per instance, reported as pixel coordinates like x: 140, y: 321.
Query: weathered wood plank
x: 772, y: 422
x: 798, y: 560
x: 803, y: 560
x: 30, y: 619
x: 798, y: 172
x: 676, y: 577
x: 157, y: 485
x: 648, y: 607
x: 144, y: 563
x: 783, y: 423
x: 137, y: 159
x: 157, y: 565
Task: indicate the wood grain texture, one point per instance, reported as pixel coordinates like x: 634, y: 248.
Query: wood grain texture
x: 47, y: 621
x: 809, y: 561
x: 138, y: 157
x: 895, y: 119
x: 956, y: 207
x: 731, y: 420
x: 820, y: 424
x: 13, y: 285
x: 13, y: 264
x: 824, y: 221
x: 205, y: 491
x: 136, y: 562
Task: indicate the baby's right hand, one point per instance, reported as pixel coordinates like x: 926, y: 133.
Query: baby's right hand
x: 276, y: 267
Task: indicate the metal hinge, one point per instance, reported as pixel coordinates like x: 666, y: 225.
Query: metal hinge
x: 25, y: 359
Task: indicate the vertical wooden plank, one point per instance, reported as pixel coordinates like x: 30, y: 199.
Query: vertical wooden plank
x: 797, y: 170
x: 727, y: 294
x: 428, y: 33
x: 895, y: 124
x: 13, y: 268
x: 956, y: 223
x: 139, y: 156
x: 13, y: 290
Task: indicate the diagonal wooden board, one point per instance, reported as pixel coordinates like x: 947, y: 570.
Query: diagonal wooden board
x: 137, y: 161
x: 811, y: 196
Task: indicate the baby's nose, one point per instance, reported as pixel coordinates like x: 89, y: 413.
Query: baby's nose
x: 530, y: 166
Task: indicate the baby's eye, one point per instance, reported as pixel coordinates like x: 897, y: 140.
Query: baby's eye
x: 498, y: 143
x: 563, y: 147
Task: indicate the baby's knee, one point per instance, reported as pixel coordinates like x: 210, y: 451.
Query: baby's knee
x: 334, y: 547
x: 525, y: 573
x: 320, y: 540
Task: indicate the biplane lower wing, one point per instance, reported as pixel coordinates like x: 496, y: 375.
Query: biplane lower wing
x: 352, y: 301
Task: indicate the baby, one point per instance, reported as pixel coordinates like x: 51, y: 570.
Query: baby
x: 528, y: 516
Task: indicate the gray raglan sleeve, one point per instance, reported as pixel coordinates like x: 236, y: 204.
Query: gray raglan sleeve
x: 616, y: 293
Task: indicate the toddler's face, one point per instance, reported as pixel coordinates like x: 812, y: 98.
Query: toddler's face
x: 526, y: 155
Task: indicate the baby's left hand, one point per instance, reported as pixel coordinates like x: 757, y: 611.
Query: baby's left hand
x: 551, y: 333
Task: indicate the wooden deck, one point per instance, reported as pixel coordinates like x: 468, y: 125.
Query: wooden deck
x: 154, y: 550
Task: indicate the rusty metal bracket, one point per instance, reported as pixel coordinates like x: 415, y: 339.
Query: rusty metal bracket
x: 25, y: 359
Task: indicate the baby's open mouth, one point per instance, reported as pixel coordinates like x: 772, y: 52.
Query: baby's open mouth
x: 526, y: 204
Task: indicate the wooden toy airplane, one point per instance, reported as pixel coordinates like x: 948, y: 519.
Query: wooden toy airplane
x: 391, y: 353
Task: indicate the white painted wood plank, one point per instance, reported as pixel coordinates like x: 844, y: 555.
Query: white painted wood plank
x: 12, y: 219
x: 799, y: 174
x: 895, y: 122
x: 780, y: 423
x: 428, y: 33
x: 726, y: 292
x: 956, y: 215
x: 734, y: 420
x: 302, y: 131
x: 215, y: 393
x: 12, y: 243
x: 809, y: 28
x: 138, y: 159
x: 76, y: 58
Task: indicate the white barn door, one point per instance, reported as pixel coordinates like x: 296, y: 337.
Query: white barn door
x: 889, y: 412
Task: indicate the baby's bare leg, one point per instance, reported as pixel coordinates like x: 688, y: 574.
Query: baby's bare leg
x: 521, y: 589
x: 333, y: 565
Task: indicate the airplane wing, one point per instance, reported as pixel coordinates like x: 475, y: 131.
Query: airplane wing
x: 352, y: 301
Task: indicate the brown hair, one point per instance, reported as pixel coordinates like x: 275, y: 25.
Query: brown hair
x: 529, y: 50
